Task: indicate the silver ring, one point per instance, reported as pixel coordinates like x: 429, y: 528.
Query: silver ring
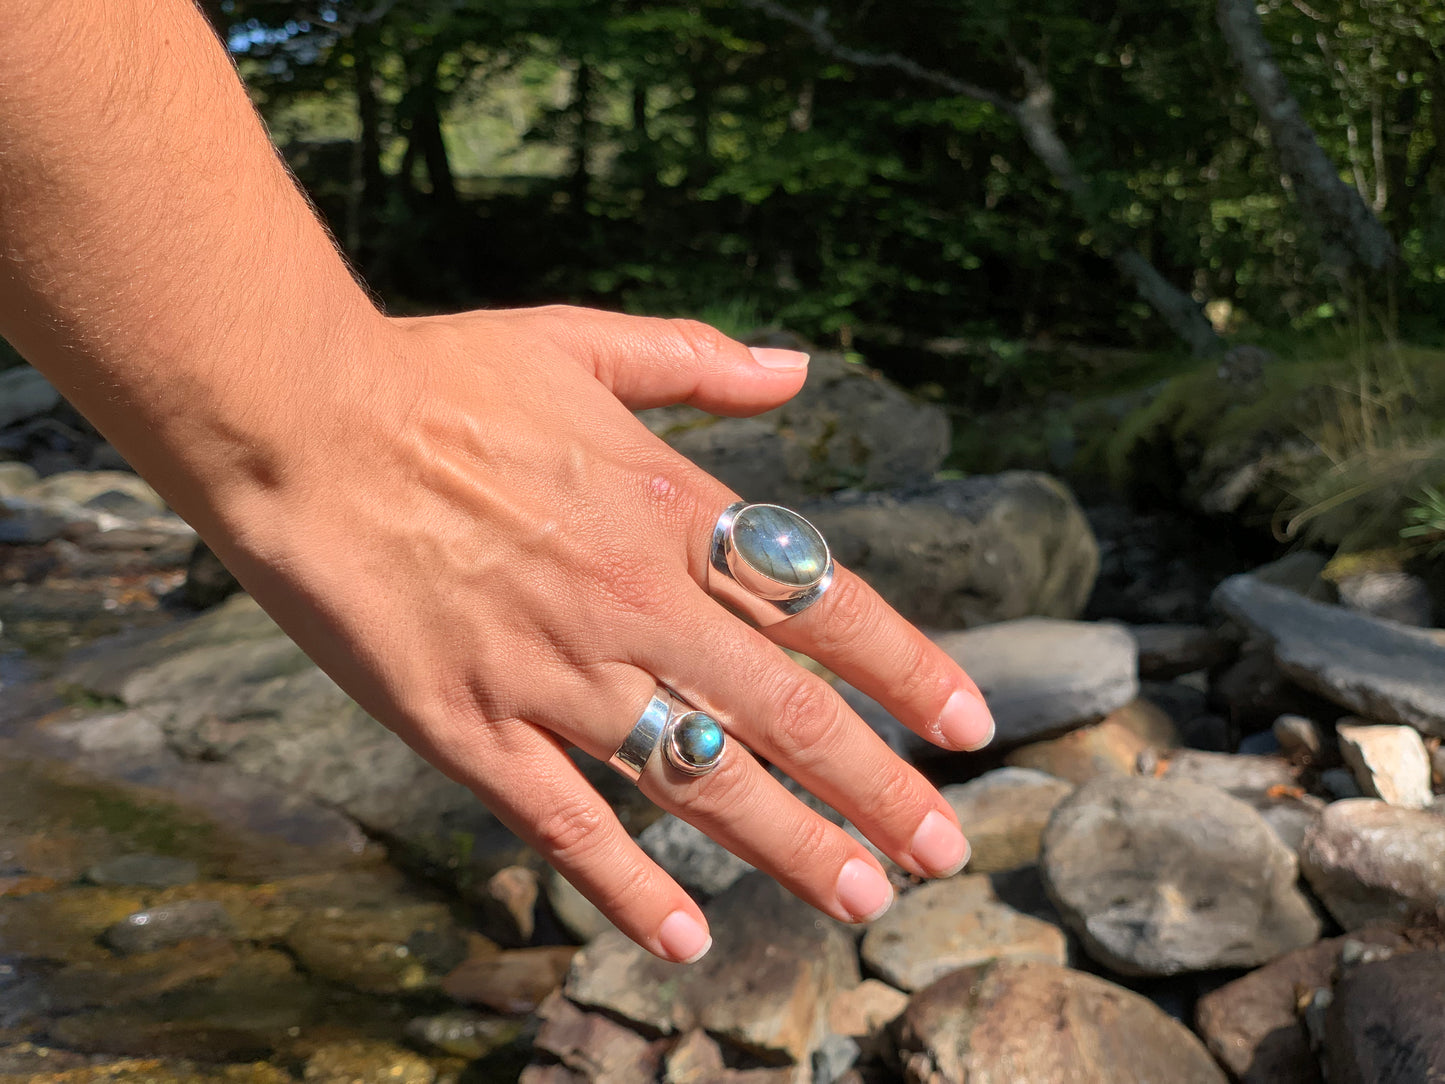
x: 767, y: 562
x: 692, y: 741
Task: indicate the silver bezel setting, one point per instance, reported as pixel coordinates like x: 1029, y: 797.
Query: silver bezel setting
x: 656, y: 728
x: 674, y: 754
x: 758, y: 597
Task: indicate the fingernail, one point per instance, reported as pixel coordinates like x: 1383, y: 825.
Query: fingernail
x: 966, y: 722
x: 863, y: 891
x: 770, y: 358
x: 938, y: 846
x: 684, y: 938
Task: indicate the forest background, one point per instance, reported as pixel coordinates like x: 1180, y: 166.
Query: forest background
x: 1119, y: 240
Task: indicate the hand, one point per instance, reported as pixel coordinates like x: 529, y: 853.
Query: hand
x: 483, y: 547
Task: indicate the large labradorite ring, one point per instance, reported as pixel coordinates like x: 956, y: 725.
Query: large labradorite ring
x: 767, y: 562
x: 692, y: 741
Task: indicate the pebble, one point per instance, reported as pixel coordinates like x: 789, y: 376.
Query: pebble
x: 1300, y: 738
x: 157, y: 927
x: 1389, y: 762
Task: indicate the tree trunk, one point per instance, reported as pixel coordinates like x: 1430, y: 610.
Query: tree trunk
x: 580, y: 180
x: 368, y: 182
x: 426, y: 128
x: 1346, y: 223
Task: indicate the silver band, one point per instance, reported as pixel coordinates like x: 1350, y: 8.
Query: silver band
x: 692, y: 741
x: 757, y: 596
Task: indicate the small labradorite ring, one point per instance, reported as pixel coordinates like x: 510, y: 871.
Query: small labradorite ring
x: 692, y: 741
x: 767, y: 562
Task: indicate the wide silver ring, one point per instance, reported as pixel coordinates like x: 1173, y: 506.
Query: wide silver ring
x: 767, y: 562
x: 692, y: 741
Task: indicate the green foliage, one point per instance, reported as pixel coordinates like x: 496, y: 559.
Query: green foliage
x: 1425, y: 522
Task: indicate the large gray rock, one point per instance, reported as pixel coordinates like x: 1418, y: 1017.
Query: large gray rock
x: 764, y: 987
x: 1044, y: 1024
x: 1040, y: 677
x: 954, y: 923
x: 960, y: 553
x: 1370, y: 862
x: 24, y: 393
x: 1382, y: 670
x: 848, y: 427
x: 1269, y: 784
x: 1387, y: 1022
x: 695, y: 861
x: 1160, y: 877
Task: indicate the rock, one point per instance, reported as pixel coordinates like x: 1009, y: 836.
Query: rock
x: 157, y: 927
x: 25, y: 523
x: 847, y: 428
x: 1389, y: 762
x: 1300, y: 739
x: 88, y: 487
x: 1003, y: 813
x: 599, y: 1049
x: 1166, y: 651
x: 764, y: 987
x: 575, y: 911
x: 1254, y: 690
x: 1340, y: 783
x: 1269, y: 784
x: 1379, y: 669
x: 25, y: 394
x: 1370, y: 862
x: 961, y: 553
x: 208, y: 582
x: 1037, y: 1022
x: 467, y: 1035
x: 1387, y: 1022
x: 16, y: 478
x: 697, y: 1059
x: 1160, y: 877
x: 174, y: 970
x: 513, y: 982
x: 1394, y: 596
x: 864, y: 1013
x: 1252, y: 1025
x: 1040, y: 676
x: 695, y: 861
x: 1105, y: 748
x: 401, y: 948
x: 511, y: 897
x: 1302, y: 573
x: 945, y: 925
x: 154, y: 870
x: 360, y: 1061
x: 1147, y: 721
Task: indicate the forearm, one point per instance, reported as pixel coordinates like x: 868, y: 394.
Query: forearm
x: 159, y: 265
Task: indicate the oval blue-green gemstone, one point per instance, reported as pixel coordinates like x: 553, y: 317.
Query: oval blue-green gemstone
x: 698, y: 739
x: 780, y: 544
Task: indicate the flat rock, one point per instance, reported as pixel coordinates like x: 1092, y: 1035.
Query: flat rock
x: 695, y: 861
x: 1253, y: 1026
x: 1166, y: 651
x: 1379, y: 669
x: 764, y: 987
x: 698, y: 1059
x: 1370, y: 862
x: 24, y: 394
x: 1104, y: 748
x: 1045, y: 1024
x: 1160, y: 877
x: 1040, y: 676
x: 1395, y: 596
x: 1389, y: 762
x: 953, y: 923
x: 1003, y: 813
x: 1386, y: 1024
x: 965, y: 552
x: 1268, y: 783
x: 574, y: 911
x: 514, y: 982
x: 403, y: 947
x: 157, y: 927
x: 864, y: 1013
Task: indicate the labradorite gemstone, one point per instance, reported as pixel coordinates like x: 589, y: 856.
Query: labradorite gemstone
x: 698, y: 739
x: 782, y: 545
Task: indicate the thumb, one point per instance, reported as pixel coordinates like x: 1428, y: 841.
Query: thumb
x: 648, y: 362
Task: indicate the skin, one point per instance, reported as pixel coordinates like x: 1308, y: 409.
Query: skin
x: 457, y: 517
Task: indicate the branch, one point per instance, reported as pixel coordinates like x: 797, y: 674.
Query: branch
x: 817, y: 29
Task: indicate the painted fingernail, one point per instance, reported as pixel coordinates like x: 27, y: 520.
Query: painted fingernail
x: 863, y: 891
x: 684, y: 938
x: 770, y: 358
x: 966, y: 722
x: 938, y: 846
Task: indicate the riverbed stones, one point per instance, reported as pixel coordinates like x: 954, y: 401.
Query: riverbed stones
x: 157, y: 927
x: 764, y: 986
x: 1253, y: 1025
x: 1159, y: 877
x: 1034, y: 1021
x: 965, y: 552
x: 514, y: 981
x: 152, y: 870
x: 1167, y: 651
x: 1003, y: 813
x: 1371, y: 862
x: 1381, y: 670
x: 954, y: 923
x: 1386, y: 1023
x: 402, y: 948
x: 1389, y: 762
x: 695, y: 861
x: 1104, y: 748
x: 1396, y: 596
x: 361, y: 1061
x: 24, y: 394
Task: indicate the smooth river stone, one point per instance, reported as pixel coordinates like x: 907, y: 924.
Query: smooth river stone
x: 781, y: 545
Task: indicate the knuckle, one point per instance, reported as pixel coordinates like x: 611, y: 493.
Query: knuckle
x: 703, y: 340
x: 812, y: 845
x: 627, y: 882
x: 570, y: 832
x: 852, y: 614
x: 805, y: 723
